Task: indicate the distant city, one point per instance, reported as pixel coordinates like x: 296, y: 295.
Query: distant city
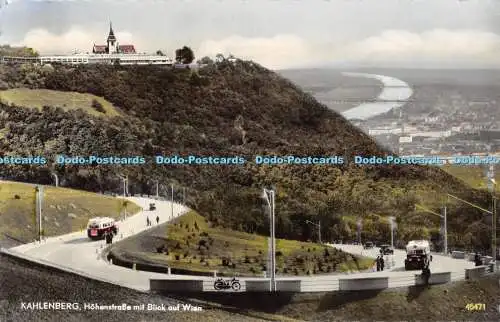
x: 436, y: 113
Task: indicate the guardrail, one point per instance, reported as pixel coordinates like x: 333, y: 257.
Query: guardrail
x: 477, y: 272
x: 304, y: 285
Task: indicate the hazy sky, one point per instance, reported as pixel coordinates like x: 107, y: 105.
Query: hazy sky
x: 275, y: 33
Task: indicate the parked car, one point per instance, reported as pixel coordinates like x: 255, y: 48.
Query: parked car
x: 368, y: 245
x: 386, y: 249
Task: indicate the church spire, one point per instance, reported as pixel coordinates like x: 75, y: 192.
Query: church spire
x: 111, y: 35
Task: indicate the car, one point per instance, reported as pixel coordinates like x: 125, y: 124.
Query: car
x: 368, y: 245
x: 386, y: 250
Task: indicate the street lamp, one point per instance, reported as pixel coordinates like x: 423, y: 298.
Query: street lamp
x: 125, y: 184
x: 319, y: 228
x: 38, y: 207
x: 172, y: 203
x: 157, y: 188
x: 445, y: 228
x: 494, y: 219
x: 391, y: 220
x: 269, y: 196
x: 56, y: 178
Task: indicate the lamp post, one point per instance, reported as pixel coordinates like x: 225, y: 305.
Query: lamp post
x: 125, y: 184
x: 269, y: 196
x: 391, y: 220
x: 319, y: 228
x: 445, y: 228
x: 56, y: 178
x: 493, y: 189
x: 157, y: 188
x: 172, y: 203
x: 38, y: 203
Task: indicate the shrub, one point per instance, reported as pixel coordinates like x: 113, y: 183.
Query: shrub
x: 98, y: 106
x: 202, y: 243
x: 177, y: 257
x: 17, y: 197
x: 247, y: 259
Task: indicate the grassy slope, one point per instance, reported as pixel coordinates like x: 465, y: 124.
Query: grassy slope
x: 475, y: 176
x: 64, y: 210
x: 246, y: 251
x: 229, y: 109
x: 68, y: 101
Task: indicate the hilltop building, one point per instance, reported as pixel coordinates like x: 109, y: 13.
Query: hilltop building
x: 111, y: 53
x: 112, y: 46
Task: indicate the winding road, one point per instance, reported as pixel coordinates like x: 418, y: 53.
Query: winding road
x: 75, y: 253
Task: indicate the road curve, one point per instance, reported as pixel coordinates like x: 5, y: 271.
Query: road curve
x: 77, y: 254
x: 440, y: 263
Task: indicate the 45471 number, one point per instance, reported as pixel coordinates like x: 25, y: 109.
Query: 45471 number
x: 475, y: 307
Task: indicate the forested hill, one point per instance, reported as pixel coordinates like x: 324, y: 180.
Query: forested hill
x: 226, y: 109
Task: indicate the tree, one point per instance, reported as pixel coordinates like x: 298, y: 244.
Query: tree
x: 184, y: 55
x: 219, y: 58
x: 205, y: 61
x: 160, y: 53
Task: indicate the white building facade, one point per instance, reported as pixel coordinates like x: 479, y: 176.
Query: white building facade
x: 112, y: 53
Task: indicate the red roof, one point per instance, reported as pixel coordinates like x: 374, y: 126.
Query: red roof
x: 99, y: 49
x: 127, y: 49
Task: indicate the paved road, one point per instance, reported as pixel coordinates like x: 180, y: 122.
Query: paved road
x: 78, y: 254
x: 439, y: 262
x: 81, y: 255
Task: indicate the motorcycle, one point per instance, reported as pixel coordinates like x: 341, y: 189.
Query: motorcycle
x: 221, y: 284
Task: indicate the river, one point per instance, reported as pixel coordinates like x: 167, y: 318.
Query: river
x: 394, y: 90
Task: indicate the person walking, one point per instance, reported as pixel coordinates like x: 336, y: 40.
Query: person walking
x: 477, y: 259
x: 157, y: 219
x: 426, y: 273
x: 382, y: 263
x: 378, y: 263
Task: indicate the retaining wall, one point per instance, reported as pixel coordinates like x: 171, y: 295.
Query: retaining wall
x: 457, y: 254
x: 176, y: 285
x: 476, y: 272
x: 370, y: 283
x: 435, y: 278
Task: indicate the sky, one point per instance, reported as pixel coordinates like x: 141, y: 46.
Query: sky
x: 277, y: 34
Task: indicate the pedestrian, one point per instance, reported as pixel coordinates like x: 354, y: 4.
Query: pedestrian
x: 382, y: 263
x: 157, y: 219
x: 426, y: 273
x: 477, y: 259
x: 378, y: 263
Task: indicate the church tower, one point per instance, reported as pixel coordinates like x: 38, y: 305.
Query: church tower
x: 112, y: 44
